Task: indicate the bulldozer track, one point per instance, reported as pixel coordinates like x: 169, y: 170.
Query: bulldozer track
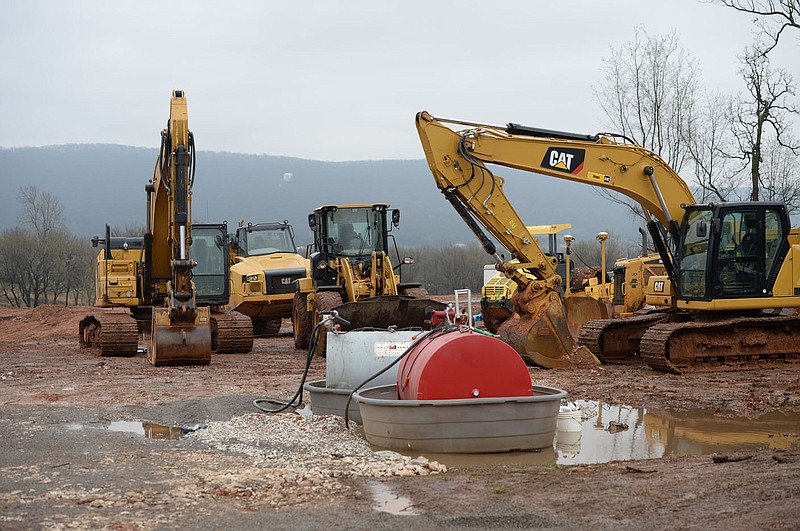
x: 113, y: 334
x: 613, y: 340
x: 231, y: 333
x: 738, y: 343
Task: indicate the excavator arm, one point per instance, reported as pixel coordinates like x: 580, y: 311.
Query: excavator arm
x: 181, y: 329
x: 539, y: 329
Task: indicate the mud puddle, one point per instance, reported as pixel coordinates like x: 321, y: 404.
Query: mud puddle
x: 623, y: 433
x: 149, y: 430
x: 387, y: 501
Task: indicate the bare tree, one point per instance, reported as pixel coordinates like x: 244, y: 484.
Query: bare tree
x: 778, y: 175
x: 40, y: 261
x: 763, y: 115
x: 710, y: 142
x: 650, y: 93
x: 774, y: 17
x: 42, y: 211
x: 650, y: 96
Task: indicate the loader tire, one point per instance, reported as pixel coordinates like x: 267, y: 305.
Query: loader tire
x: 417, y: 293
x: 324, y: 301
x: 301, y: 324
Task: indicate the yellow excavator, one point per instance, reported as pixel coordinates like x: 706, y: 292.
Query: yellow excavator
x: 730, y: 267
x: 351, y: 272
x: 175, y: 278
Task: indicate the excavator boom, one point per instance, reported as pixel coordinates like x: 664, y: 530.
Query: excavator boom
x: 540, y: 327
x: 181, y: 332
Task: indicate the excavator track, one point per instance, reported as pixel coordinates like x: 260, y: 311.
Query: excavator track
x: 613, y: 340
x: 113, y: 334
x: 738, y: 343
x: 231, y: 333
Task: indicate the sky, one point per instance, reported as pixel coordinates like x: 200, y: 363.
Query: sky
x: 331, y: 80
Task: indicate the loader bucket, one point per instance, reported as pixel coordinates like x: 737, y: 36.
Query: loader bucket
x: 581, y: 309
x: 543, y: 337
x: 387, y: 310
x: 179, y: 343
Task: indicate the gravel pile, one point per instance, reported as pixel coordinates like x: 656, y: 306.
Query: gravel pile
x: 313, y: 448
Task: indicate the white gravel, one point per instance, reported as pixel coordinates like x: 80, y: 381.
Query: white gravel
x: 309, y: 447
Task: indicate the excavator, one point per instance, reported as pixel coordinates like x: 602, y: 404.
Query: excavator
x: 351, y: 273
x: 175, y: 278
x: 730, y: 267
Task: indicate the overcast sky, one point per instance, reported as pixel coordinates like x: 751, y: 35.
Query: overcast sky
x: 330, y: 80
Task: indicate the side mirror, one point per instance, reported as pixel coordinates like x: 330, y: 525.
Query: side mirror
x: 702, y: 230
x: 312, y: 222
x: 395, y: 217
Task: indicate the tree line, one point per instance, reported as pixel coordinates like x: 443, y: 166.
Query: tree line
x: 40, y: 261
x: 733, y: 147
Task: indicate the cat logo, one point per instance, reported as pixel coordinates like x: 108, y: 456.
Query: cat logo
x: 286, y: 281
x: 564, y: 159
x: 658, y: 286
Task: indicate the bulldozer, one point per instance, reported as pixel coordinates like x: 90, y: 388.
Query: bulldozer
x: 731, y: 269
x: 265, y: 264
x: 174, y: 279
x: 351, y: 272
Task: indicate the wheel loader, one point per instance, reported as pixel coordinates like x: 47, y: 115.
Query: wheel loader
x: 732, y: 270
x: 174, y: 279
x: 265, y: 264
x: 352, y: 273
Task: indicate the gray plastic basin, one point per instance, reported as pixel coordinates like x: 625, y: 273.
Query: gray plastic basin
x: 329, y: 401
x: 478, y: 425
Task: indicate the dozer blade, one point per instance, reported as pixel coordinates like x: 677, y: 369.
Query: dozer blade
x: 180, y: 343
x: 544, y: 338
x: 581, y: 309
x: 387, y: 310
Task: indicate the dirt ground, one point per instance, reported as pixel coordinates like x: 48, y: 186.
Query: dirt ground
x: 54, y: 476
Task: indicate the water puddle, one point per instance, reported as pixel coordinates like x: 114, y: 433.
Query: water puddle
x: 622, y: 433
x: 607, y: 433
x: 386, y: 501
x: 149, y: 430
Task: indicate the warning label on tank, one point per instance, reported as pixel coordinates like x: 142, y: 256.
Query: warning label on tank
x: 384, y: 349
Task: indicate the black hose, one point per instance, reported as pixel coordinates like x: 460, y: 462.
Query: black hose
x: 312, y: 346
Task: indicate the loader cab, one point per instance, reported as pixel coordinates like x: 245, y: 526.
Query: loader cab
x: 351, y: 231
x: 731, y: 250
x: 264, y: 239
x: 209, y: 249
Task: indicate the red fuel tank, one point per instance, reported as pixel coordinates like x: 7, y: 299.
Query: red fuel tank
x: 462, y: 364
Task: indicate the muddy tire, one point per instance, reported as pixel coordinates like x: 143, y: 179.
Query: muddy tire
x: 418, y: 293
x: 324, y: 301
x: 301, y: 323
x: 273, y: 326
x: 266, y: 326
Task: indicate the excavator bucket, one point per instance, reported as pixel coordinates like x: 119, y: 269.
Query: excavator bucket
x: 581, y: 309
x: 388, y: 310
x: 180, y: 343
x: 543, y: 337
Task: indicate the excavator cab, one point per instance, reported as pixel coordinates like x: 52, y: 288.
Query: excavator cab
x: 210, y: 251
x: 731, y: 250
